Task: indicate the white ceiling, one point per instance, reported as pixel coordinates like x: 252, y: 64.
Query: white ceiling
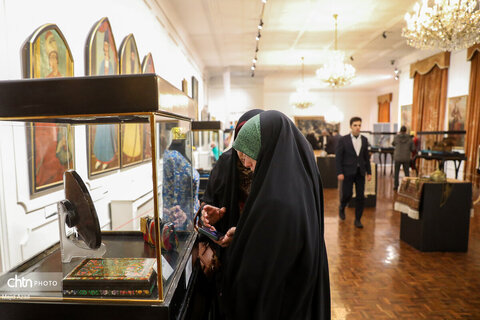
x: 223, y: 34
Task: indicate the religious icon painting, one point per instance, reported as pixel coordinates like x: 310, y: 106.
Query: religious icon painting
x: 147, y: 64
x: 103, y: 144
x: 132, y: 143
x: 50, y: 146
x: 129, y: 58
x: 46, y: 54
x: 101, y: 58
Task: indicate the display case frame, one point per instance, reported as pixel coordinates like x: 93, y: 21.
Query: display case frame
x: 103, y: 100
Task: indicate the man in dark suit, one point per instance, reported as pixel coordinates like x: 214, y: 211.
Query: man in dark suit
x: 353, y: 163
x: 332, y: 142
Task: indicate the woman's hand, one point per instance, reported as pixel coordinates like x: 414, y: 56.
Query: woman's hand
x: 227, y: 238
x: 211, y: 215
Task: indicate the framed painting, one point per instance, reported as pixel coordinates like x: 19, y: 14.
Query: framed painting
x: 185, y: 86
x: 147, y: 64
x: 50, y: 152
x: 456, y: 113
x: 406, y: 116
x: 46, y: 54
x: 132, y: 143
x: 101, y: 58
x: 103, y: 143
x: 129, y: 58
x: 314, y: 125
x: 195, y: 94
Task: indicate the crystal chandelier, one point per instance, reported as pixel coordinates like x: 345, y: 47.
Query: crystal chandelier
x: 302, y: 98
x: 335, y: 72
x: 447, y: 25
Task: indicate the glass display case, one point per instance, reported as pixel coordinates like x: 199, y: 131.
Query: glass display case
x: 380, y: 145
x: 103, y: 172
x: 441, y: 146
x: 208, y: 145
x: 207, y: 142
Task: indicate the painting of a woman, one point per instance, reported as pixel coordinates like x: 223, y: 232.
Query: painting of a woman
x: 46, y: 54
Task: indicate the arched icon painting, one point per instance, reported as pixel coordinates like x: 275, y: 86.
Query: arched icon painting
x: 147, y: 67
x: 132, y: 134
x: 129, y: 58
x: 147, y: 64
x: 50, y: 146
x: 101, y: 58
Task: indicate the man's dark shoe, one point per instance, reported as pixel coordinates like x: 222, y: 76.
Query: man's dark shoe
x: 358, y: 224
x: 341, y: 213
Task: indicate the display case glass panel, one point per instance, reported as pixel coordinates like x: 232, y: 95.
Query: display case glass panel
x: 120, y: 235
x: 442, y: 141
x: 208, y: 143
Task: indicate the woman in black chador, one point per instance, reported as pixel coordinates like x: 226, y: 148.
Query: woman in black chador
x: 277, y: 262
x: 222, y: 204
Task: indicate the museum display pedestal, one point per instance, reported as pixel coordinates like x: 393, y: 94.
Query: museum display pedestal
x: 328, y: 172
x: 444, y: 218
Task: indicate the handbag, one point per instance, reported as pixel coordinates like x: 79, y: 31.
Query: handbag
x: 206, y: 253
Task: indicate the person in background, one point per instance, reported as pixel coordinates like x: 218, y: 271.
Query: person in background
x: 312, y: 139
x: 332, y: 142
x: 353, y: 164
x: 404, y: 147
x: 277, y: 262
x: 215, y: 151
x: 324, y: 138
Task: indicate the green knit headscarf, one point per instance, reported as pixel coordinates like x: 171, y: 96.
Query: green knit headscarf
x: 248, y: 140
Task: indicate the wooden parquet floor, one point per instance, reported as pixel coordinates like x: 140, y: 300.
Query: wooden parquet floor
x: 375, y: 275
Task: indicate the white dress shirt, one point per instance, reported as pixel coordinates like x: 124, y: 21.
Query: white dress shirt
x: 357, y: 143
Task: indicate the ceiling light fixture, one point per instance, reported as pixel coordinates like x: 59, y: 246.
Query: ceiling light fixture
x: 257, y: 38
x: 447, y: 25
x: 336, y: 73
x: 302, y: 98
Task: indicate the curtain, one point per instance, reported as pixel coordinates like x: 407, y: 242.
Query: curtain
x: 384, y: 107
x: 472, y: 125
x: 429, y: 98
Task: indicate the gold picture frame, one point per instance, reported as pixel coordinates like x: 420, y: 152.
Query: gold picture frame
x: 50, y: 146
x: 101, y: 58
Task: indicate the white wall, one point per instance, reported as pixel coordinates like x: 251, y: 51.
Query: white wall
x: 228, y: 101
x: 26, y: 226
x: 362, y: 104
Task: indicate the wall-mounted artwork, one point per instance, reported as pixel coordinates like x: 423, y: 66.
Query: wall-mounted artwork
x: 132, y: 143
x: 406, y: 116
x: 314, y: 125
x: 195, y: 94
x: 129, y: 58
x: 185, y: 86
x: 46, y: 54
x: 457, y: 112
x: 101, y: 58
x: 147, y: 64
x: 50, y: 147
